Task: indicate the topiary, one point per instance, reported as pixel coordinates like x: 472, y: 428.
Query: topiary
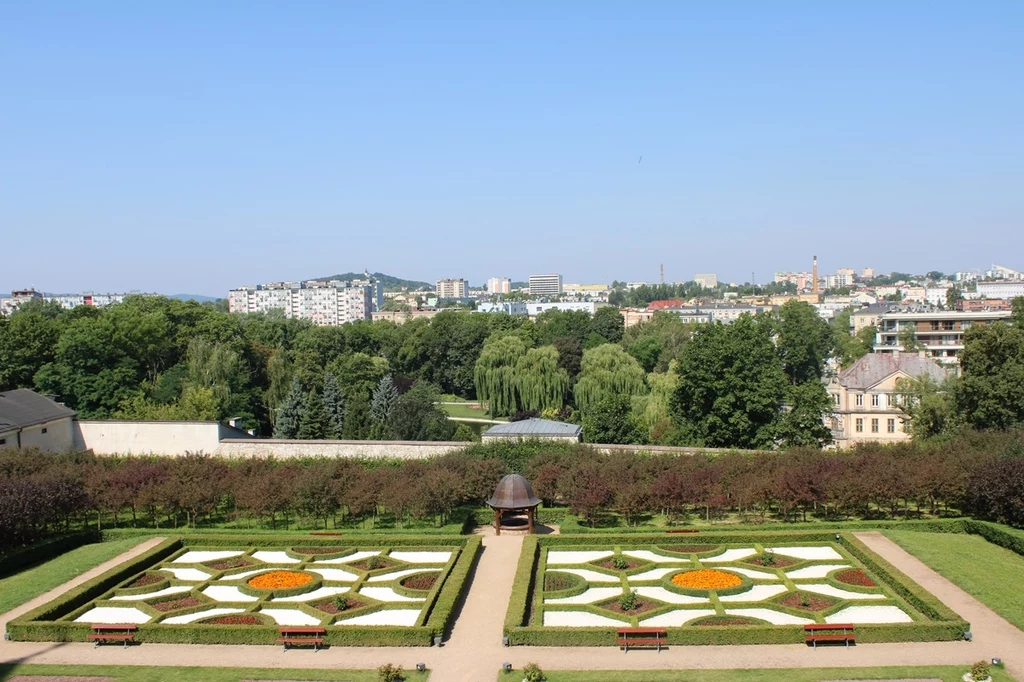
x: 340, y: 602
x: 628, y: 601
x: 533, y: 673
x: 389, y: 673
x: 980, y: 671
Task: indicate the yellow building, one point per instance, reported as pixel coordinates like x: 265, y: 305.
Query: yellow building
x: 864, y: 399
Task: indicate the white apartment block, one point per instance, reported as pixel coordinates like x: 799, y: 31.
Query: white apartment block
x: 708, y: 280
x: 941, y: 332
x: 1005, y: 289
x: 546, y: 285
x: 499, y: 285
x: 452, y: 288
x: 326, y: 304
x: 9, y: 304
x: 535, y: 309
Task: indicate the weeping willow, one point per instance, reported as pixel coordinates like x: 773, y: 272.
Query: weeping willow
x: 495, y: 373
x: 663, y: 385
x: 540, y: 382
x: 607, y: 370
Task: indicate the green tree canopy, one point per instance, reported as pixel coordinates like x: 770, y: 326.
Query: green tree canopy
x: 992, y: 365
x: 805, y: 341
x: 610, y: 420
x: 607, y: 370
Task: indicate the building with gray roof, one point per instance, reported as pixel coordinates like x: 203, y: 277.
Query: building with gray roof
x: 539, y: 429
x: 31, y: 420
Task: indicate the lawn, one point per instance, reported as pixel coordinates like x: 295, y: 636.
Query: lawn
x: 945, y: 673
x: 195, y: 674
x: 472, y: 410
x: 21, y: 587
x: 991, y: 574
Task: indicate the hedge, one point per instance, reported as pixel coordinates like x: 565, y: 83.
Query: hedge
x: 44, y: 550
x: 570, y: 525
x: 515, y: 617
x: 447, y: 597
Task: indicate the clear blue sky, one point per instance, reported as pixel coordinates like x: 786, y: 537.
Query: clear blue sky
x: 195, y: 146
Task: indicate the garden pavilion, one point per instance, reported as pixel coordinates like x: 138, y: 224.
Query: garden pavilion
x: 513, y: 497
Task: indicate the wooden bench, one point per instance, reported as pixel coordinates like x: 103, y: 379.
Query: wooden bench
x: 642, y: 637
x: 112, y: 632
x: 301, y: 637
x: 829, y: 632
x: 683, y: 530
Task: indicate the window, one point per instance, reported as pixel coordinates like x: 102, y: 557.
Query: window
x: 874, y: 426
x: 44, y: 430
x: 874, y: 400
x: 888, y: 399
x: 892, y: 426
x: 860, y: 426
x: 860, y: 400
x: 3, y: 441
x: 835, y: 399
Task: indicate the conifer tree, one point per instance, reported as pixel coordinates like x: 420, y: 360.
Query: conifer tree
x: 314, y: 421
x: 384, y: 396
x: 334, y: 406
x: 289, y: 413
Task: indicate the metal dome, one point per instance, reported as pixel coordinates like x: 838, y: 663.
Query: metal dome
x: 513, y: 492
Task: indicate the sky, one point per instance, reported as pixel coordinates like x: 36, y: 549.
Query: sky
x: 196, y: 146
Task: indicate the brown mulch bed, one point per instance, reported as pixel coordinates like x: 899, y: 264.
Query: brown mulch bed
x: 693, y: 549
x: 610, y: 564
x: 226, y: 564
x: 856, y: 577
x: 641, y: 606
x: 327, y: 606
x: 148, y: 579
x: 780, y: 562
x: 175, y: 604
x: 711, y: 622
x: 364, y: 565
x: 423, y: 581
x: 556, y: 582
x: 319, y: 550
x: 233, y: 620
x: 815, y: 602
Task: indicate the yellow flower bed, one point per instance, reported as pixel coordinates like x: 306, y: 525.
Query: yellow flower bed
x: 706, y: 579
x: 280, y: 580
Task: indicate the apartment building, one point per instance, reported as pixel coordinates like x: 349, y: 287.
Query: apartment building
x: 324, y: 303
x: 865, y: 404
x: 503, y: 307
x: 452, y: 288
x: 726, y: 313
x: 499, y: 285
x: 535, y: 309
x: 546, y: 285
x: 802, y: 280
x: 1005, y: 289
x: 940, y: 331
x: 708, y: 280
x: 9, y: 304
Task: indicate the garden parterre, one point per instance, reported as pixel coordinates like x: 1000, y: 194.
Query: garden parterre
x: 219, y: 590
x: 754, y: 588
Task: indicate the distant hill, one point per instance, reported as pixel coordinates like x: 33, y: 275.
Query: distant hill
x: 195, y: 297
x: 390, y: 283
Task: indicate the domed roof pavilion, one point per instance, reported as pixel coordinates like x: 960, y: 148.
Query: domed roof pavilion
x: 513, y: 495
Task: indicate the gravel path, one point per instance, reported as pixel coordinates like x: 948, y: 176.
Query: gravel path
x: 473, y: 652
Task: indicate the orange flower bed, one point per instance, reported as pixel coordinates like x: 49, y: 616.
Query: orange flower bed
x: 279, y: 580
x: 706, y: 579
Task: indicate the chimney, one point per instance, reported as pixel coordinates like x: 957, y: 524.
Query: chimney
x: 814, y: 275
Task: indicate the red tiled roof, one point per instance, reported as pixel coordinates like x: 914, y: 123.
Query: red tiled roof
x: 662, y: 305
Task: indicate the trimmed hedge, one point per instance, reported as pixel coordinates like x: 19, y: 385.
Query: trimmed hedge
x: 445, y: 599
x: 44, y: 550
x: 1004, y: 536
x: 518, y: 605
x: 570, y: 525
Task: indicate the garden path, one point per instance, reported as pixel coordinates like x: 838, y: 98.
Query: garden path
x: 473, y: 652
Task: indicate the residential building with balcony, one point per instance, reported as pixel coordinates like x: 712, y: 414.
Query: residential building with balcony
x: 499, y: 285
x: 865, y: 403
x: 941, y: 332
x: 324, y: 303
x: 1006, y: 289
x: 546, y: 285
x: 452, y: 288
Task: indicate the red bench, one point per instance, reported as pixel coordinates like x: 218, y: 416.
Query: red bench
x: 301, y: 637
x: 641, y: 637
x: 103, y: 633
x: 833, y: 632
x: 683, y: 530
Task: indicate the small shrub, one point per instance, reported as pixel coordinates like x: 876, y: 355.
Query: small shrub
x: 340, y: 602
x: 374, y: 563
x: 767, y: 559
x: 620, y: 563
x: 533, y: 673
x: 628, y: 601
x: 804, y: 601
x: 980, y: 671
x: 390, y: 673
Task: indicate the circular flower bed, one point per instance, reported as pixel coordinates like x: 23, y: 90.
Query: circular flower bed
x: 706, y: 579
x: 280, y: 580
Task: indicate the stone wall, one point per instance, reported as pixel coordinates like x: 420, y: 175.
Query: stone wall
x: 285, y: 449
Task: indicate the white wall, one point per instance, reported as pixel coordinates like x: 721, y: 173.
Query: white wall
x: 286, y: 449
x: 54, y: 436
x: 144, y: 438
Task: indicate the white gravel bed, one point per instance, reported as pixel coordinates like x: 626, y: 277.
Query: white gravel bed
x: 198, y: 557
x: 334, y: 574
x: 227, y: 593
x: 661, y: 594
x: 275, y: 557
x: 579, y: 619
x: 589, y: 576
x: 355, y: 556
x: 814, y: 571
x: 113, y: 614
x: 394, y: 575
x: 318, y: 593
x: 246, y: 574
x: 167, y: 590
x: 386, y: 594
x: 836, y: 592
x: 199, y: 615
x: 575, y: 557
x: 676, y: 618
x: 188, y: 574
x: 406, y: 617
x: 422, y: 557
x: 291, y: 617
x: 756, y: 593
x: 593, y: 594
x: 773, y: 617
x: 823, y: 553
x: 730, y: 555
x: 648, y: 555
x: 653, y: 574
x: 869, y: 614
x: 755, y: 575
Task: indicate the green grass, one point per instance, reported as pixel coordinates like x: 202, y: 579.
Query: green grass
x: 467, y: 411
x: 30, y: 583
x: 126, y: 673
x: 991, y: 574
x: 945, y: 673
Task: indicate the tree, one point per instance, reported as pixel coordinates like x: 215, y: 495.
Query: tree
x: 954, y: 297
x: 671, y: 333
x: 992, y: 366
x: 384, y: 396
x: 803, y: 423
x: 496, y: 371
x: 646, y: 350
x: 927, y: 404
x: 334, y: 407
x: 570, y: 355
x: 540, y: 382
x: 610, y: 421
x: 28, y: 339
x: 357, y: 418
x: 907, y: 339
x: 416, y: 416
x: 608, y: 323
x: 289, y: 413
x: 1018, y: 312
x: 607, y: 370
x: 731, y: 386
x: 314, y: 423
x: 805, y: 341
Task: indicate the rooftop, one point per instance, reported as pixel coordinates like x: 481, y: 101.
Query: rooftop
x: 535, y: 427
x: 21, y: 407
x: 873, y: 368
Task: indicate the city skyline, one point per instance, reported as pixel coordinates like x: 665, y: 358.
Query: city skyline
x: 167, y: 149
